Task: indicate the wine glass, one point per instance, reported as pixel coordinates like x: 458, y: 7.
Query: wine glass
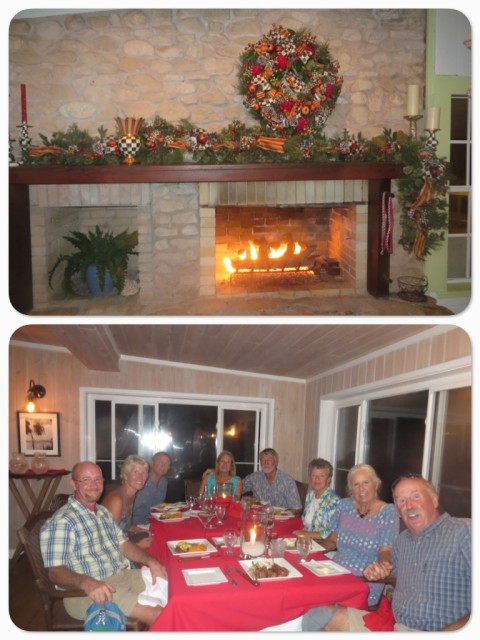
x: 303, y: 547
x: 206, y: 518
x: 220, y: 513
x: 229, y: 538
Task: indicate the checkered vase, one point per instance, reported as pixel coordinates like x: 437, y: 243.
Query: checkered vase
x: 129, y: 146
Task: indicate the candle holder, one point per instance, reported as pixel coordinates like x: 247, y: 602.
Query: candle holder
x: 431, y: 140
x: 25, y: 140
x: 412, y: 120
x: 11, y: 156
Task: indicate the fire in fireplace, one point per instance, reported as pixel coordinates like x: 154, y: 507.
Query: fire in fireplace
x: 267, y: 248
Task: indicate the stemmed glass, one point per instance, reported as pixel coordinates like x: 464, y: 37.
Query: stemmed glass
x: 303, y: 547
x: 206, y: 518
x: 220, y: 513
x: 229, y: 538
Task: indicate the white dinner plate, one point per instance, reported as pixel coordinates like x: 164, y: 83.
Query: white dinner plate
x: 292, y: 572
x: 291, y: 545
x: 282, y: 514
x: 207, y: 575
x: 171, y: 544
x: 325, y: 568
x: 170, y: 516
x: 169, y: 506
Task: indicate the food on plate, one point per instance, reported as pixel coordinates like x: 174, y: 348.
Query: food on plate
x: 324, y: 569
x: 278, y: 511
x: 173, y: 515
x: 263, y: 570
x: 190, y: 547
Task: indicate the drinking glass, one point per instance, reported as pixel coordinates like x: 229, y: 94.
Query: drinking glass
x: 220, y: 513
x: 206, y: 518
x: 229, y: 538
x: 303, y: 547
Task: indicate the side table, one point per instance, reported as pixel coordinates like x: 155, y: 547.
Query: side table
x: 46, y: 487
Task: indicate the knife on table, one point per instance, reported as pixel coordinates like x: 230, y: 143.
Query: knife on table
x: 247, y: 577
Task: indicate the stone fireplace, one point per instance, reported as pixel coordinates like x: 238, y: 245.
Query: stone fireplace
x: 189, y: 218
x: 186, y: 230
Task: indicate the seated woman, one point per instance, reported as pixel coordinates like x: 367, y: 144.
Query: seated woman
x: 225, y: 471
x: 363, y: 530
x: 321, y: 501
x: 133, y: 473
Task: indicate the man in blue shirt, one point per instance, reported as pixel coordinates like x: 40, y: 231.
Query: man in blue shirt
x: 154, y: 490
x: 431, y: 561
x: 273, y: 485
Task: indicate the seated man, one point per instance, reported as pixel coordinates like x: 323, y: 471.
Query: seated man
x: 432, y: 563
x: 83, y: 548
x: 273, y: 485
x: 154, y: 490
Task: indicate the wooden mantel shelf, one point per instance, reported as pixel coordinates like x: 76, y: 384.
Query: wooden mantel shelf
x: 378, y: 174
x: 273, y: 172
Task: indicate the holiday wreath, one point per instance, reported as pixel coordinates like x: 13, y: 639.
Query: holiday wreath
x: 289, y: 82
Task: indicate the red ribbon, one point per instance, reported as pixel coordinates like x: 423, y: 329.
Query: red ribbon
x: 387, y: 223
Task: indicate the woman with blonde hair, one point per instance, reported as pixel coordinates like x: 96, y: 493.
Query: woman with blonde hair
x: 119, y: 502
x: 363, y: 530
x: 224, y: 472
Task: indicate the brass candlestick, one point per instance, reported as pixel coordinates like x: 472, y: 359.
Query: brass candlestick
x: 412, y: 125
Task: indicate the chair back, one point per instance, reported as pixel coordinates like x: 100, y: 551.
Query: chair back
x: 30, y: 538
x: 302, y: 491
x: 192, y: 487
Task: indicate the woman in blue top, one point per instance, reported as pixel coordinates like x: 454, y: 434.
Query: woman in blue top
x: 363, y: 526
x: 321, y: 501
x: 225, y: 471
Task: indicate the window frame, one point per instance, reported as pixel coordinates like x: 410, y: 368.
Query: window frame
x: 264, y: 408
x: 444, y: 377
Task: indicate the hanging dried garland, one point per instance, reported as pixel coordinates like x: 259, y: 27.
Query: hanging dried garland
x: 423, y: 198
x: 289, y: 82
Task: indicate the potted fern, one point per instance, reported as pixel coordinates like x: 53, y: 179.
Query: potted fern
x: 100, y: 261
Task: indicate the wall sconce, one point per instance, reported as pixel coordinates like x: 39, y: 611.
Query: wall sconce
x: 34, y: 391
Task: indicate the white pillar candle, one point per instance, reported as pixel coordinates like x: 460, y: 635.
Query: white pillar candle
x: 413, y: 99
x: 253, y: 549
x: 433, y: 119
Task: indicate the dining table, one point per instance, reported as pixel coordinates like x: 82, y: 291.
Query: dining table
x: 236, y: 604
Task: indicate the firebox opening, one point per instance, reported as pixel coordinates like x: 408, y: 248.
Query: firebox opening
x: 282, y: 248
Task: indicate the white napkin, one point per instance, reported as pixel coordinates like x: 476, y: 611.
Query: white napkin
x: 154, y: 594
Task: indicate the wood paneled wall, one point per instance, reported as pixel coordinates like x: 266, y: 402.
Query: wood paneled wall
x: 62, y: 376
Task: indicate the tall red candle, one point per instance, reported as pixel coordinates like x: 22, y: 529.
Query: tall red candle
x: 23, y: 93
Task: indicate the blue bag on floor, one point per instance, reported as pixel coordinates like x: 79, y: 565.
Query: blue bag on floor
x: 105, y: 617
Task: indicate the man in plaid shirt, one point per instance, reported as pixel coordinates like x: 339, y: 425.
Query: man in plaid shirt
x: 83, y: 548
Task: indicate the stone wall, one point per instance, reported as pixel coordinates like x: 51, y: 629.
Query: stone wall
x: 89, y: 68
x: 183, y: 63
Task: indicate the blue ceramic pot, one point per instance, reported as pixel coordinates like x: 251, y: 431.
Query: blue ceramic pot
x: 93, y: 284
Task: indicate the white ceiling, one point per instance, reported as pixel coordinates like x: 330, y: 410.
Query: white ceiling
x: 292, y: 351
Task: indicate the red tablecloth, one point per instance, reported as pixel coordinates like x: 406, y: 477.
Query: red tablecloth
x: 241, y: 607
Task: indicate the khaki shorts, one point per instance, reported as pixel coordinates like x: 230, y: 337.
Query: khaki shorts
x: 355, y: 619
x: 128, y: 584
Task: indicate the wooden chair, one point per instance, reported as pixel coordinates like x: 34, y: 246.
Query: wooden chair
x: 56, y: 616
x: 192, y: 487
x: 302, y: 491
x: 59, y: 499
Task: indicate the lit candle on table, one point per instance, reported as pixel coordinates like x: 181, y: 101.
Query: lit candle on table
x: 413, y: 98
x: 433, y: 119
x: 252, y: 547
x: 23, y: 95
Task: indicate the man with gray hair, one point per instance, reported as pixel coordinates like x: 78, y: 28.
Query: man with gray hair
x: 154, y: 490
x: 273, y: 485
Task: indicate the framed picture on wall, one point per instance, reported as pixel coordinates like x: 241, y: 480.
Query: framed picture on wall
x: 38, y: 431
